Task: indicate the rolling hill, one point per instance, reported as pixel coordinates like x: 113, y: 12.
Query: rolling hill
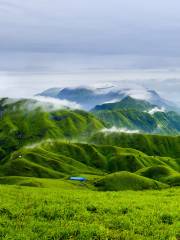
x: 26, y: 121
x: 59, y: 160
x: 153, y: 145
x: 127, y: 181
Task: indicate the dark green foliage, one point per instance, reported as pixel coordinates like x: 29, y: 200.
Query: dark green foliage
x: 167, y: 219
x: 157, y: 172
x: 173, y: 180
x: 91, y: 208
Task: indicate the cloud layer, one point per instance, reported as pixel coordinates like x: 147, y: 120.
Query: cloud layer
x: 118, y: 130
x: 56, y: 103
x: 104, y: 27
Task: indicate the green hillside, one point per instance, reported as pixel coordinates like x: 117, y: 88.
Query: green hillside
x: 157, y: 123
x: 27, y: 121
x: 173, y: 180
x: 135, y: 114
x: 157, y: 172
x: 161, y: 173
x: 126, y: 103
x: 153, y: 145
x: 127, y: 181
x: 43, y: 183
x: 57, y: 159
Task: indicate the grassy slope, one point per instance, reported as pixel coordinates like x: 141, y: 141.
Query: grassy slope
x: 69, y: 158
x: 23, y: 122
x: 157, y: 172
x: 160, y: 122
x: 56, y: 159
x: 165, y: 172
x: 36, y: 213
x: 149, y: 144
x: 126, y: 103
x: 45, y: 183
x: 127, y: 181
x: 133, y: 114
x: 161, y: 173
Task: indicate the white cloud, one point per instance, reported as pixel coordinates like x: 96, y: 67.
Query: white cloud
x: 139, y: 94
x: 46, y: 103
x: 113, y: 101
x: 57, y: 103
x: 38, y: 144
x: 23, y: 85
x: 119, y: 130
x: 155, y: 110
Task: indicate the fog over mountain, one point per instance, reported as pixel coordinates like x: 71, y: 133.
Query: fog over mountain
x: 27, y: 85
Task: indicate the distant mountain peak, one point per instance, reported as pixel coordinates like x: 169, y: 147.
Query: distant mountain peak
x: 90, y: 96
x: 126, y: 103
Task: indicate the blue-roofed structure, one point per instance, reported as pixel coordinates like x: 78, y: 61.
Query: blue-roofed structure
x: 81, y: 179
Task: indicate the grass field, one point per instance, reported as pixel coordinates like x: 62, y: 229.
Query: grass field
x: 61, y: 212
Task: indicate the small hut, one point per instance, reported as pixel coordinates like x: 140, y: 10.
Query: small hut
x: 81, y: 179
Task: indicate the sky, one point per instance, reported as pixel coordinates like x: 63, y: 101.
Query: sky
x: 66, y: 42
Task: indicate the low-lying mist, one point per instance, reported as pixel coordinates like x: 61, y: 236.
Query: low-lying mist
x: 120, y: 130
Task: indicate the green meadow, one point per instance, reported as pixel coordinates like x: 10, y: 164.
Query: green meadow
x: 66, y: 212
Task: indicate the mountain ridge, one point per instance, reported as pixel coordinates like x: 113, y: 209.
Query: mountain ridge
x: 126, y: 103
x: 88, y: 96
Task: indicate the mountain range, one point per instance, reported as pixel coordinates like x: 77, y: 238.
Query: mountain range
x: 138, y: 115
x: 89, y: 97
x: 120, y: 145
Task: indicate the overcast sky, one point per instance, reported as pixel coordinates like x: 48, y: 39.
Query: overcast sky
x: 90, y: 26
x: 87, y: 36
